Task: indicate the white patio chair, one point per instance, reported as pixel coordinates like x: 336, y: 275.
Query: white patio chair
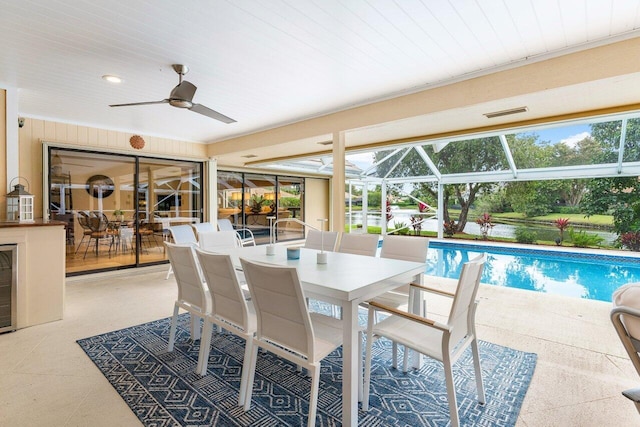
x: 443, y: 341
x: 193, y: 295
x: 231, y: 311
x: 285, y: 326
x: 625, y: 316
x: 202, y: 227
x: 325, y: 240
x: 404, y: 248
x: 181, y: 235
x: 212, y: 240
x: 359, y: 244
x: 245, y: 236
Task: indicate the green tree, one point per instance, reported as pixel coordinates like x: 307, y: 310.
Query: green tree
x: 618, y: 196
x: 484, y: 154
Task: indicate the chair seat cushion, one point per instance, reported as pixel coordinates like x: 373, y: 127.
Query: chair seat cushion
x: 423, y: 339
x: 328, y: 334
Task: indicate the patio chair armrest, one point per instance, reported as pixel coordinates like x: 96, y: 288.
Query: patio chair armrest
x: 432, y: 290
x: 410, y: 316
x: 244, y: 230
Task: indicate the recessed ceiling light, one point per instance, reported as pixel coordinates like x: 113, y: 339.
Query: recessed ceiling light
x: 506, y: 112
x: 249, y: 156
x: 111, y: 78
x: 325, y: 142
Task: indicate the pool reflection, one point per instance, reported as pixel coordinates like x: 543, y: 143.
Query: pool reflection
x: 590, y: 278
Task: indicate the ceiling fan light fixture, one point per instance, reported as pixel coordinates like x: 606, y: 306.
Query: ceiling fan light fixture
x: 180, y: 103
x: 506, y: 112
x: 111, y: 78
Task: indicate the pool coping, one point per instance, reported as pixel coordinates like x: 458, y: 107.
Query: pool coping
x: 611, y: 255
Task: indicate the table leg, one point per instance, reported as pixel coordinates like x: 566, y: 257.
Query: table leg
x: 350, y: 364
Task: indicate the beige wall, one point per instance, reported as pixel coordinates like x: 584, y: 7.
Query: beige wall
x: 3, y: 151
x: 35, y: 132
x: 316, y: 201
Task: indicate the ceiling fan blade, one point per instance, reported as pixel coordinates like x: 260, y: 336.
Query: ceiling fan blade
x: 184, y: 91
x: 164, y: 101
x: 206, y: 111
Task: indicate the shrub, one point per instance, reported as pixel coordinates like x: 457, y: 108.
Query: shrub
x: 449, y: 228
x: 582, y: 239
x: 630, y: 240
x: 289, y: 202
x: 524, y: 235
x: 416, y: 223
x: 484, y: 221
x: 562, y: 224
x: 397, y: 225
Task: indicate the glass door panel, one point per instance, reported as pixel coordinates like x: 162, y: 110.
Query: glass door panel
x: 169, y: 193
x: 259, y: 205
x: 92, y: 193
x: 290, y: 206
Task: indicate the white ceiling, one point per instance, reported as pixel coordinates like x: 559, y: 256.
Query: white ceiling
x: 272, y: 62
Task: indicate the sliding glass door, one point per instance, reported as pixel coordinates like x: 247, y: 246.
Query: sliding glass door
x: 118, y: 207
x: 251, y: 200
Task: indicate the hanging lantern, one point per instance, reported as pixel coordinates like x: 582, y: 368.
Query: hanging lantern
x: 136, y: 142
x: 20, y: 205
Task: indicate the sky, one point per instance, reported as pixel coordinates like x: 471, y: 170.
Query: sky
x: 570, y: 135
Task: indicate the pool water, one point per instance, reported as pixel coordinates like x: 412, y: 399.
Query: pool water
x: 581, y: 275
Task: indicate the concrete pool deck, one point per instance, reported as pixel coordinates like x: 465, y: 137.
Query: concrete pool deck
x: 46, y: 379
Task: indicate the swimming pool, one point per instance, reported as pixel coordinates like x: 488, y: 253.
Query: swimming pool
x: 576, y: 274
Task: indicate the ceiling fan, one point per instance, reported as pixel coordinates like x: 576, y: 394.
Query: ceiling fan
x: 181, y: 96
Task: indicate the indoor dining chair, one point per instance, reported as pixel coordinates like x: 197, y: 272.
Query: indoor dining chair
x: 359, y: 244
x: 286, y: 328
x: 444, y: 341
x: 231, y: 311
x: 193, y: 295
x: 325, y: 240
x: 181, y: 235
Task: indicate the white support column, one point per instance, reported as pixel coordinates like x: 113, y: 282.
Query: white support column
x: 383, y: 208
x: 440, y: 214
x: 13, y: 146
x: 337, y: 199
x: 211, y: 208
x: 365, y: 207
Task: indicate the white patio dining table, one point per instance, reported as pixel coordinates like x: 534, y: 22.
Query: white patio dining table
x: 345, y: 280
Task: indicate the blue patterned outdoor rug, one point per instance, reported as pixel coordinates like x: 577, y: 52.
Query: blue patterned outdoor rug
x: 162, y: 389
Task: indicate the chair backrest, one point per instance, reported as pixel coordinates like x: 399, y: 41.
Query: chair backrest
x: 359, y: 244
x: 625, y: 316
x: 191, y: 287
x: 212, y: 240
x: 83, y: 220
x: 182, y: 234
x: 325, y: 240
x: 405, y: 248
x: 202, y: 227
x: 97, y: 222
x: 224, y: 224
x: 228, y: 300
x: 462, y: 314
x: 280, y: 305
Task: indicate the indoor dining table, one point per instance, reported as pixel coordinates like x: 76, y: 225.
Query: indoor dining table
x: 345, y: 280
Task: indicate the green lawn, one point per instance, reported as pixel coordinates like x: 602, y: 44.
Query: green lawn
x: 573, y: 218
